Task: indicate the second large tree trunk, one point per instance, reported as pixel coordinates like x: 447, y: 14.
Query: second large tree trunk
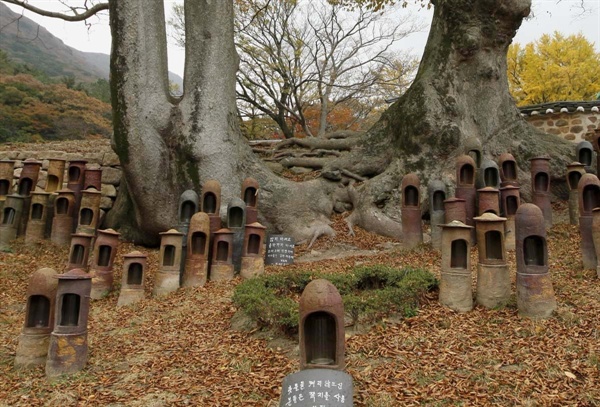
x: 460, y: 93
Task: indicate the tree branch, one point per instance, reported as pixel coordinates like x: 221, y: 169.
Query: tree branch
x: 76, y: 16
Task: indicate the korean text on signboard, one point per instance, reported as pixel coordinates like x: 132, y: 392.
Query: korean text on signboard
x: 280, y: 250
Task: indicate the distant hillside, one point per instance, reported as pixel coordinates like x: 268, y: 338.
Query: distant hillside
x: 34, y: 108
x: 27, y: 42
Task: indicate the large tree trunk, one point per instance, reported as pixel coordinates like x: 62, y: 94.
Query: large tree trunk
x: 460, y: 92
x: 167, y: 146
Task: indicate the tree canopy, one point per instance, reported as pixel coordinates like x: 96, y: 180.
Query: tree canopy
x: 555, y: 67
x: 298, y: 58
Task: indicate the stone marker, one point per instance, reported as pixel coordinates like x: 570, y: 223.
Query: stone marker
x: 56, y: 173
x: 436, y: 191
x: 280, y: 250
x: 62, y: 222
x: 39, y: 319
x: 211, y: 197
x: 455, y: 278
x: 169, y: 260
x: 250, y: 196
x: 455, y: 209
x: 6, y: 178
x: 188, y: 206
x: 596, y: 235
x: 38, y: 216
x: 575, y: 171
x: 253, y: 263
x: 79, y: 252
x: 465, y: 189
x: 316, y: 388
x: 412, y: 230
x: 321, y: 327
x: 489, y: 201
x: 196, y: 263
x: 535, y: 294
x: 132, y: 282
x: 596, y: 146
x: 473, y: 148
x: 589, y: 198
x: 68, y: 349
x: 236, y: 222
x: 488, y: 175
x: 92, y: 178
x: 29, y: 177
x: 101, y: 269
x: 511, y: 200
x: 89, y: 211
x: 11, y: 219
x: 540, y: 187
x: 211, y: 204
x: 75, y: 180
x: 493, y: 276
x: 321, y: 380
x: 189, y: 203
x: 584, y: 154
x: 507, y: 165
x: 221, y: 266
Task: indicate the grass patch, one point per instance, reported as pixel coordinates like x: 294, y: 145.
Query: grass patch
x: 369, y: 293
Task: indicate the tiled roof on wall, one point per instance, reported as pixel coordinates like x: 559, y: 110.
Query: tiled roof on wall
x: 561, y: 107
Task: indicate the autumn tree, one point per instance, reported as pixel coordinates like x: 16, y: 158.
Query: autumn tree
x: 553, y: 68
x: 167, y: 144
x: 297, y: 56
x: 32, y: 110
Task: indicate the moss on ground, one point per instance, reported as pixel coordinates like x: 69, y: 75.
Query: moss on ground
x: 369, y: 293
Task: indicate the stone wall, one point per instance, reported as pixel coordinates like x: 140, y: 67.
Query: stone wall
x: 106, y: 160
x: 573, y: 123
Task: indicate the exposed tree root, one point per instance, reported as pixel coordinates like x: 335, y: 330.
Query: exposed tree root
x: 317, y: 143
x: 314, y: 163
x: 373, y: 201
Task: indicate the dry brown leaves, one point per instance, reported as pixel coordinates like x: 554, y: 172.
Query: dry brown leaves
x: 180, y: 350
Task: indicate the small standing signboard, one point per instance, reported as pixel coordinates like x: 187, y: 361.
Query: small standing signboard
x: 280, y: 250
x: 317, y: 388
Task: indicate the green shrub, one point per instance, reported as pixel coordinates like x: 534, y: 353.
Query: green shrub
x: 368, y: 293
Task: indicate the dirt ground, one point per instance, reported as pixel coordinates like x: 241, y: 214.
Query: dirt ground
x: 182, y: 350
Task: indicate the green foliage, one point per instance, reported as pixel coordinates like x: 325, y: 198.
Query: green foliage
x: 553, y: 68
x: 34, y: 109
x: 368, y: 293
x: 99, y: 90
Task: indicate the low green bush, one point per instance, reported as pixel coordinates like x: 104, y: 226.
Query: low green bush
x: 369, y: 293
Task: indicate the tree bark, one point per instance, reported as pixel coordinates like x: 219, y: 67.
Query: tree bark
x: 460, y: 92
x: 168, y: 145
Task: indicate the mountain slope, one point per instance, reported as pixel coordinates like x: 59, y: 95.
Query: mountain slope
x: 27, y: 42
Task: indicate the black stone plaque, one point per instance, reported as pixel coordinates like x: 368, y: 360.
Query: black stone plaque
x: 317, y: 388
x: 280, y: 250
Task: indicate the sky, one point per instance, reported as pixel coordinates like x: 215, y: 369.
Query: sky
x: 565, y: 16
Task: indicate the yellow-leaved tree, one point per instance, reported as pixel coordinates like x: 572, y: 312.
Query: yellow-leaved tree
x: 553, y: 68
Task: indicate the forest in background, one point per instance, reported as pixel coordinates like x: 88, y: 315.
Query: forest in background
x: 35, y: 107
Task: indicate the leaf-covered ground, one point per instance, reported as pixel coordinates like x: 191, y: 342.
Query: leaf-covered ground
x: 181, y: 349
